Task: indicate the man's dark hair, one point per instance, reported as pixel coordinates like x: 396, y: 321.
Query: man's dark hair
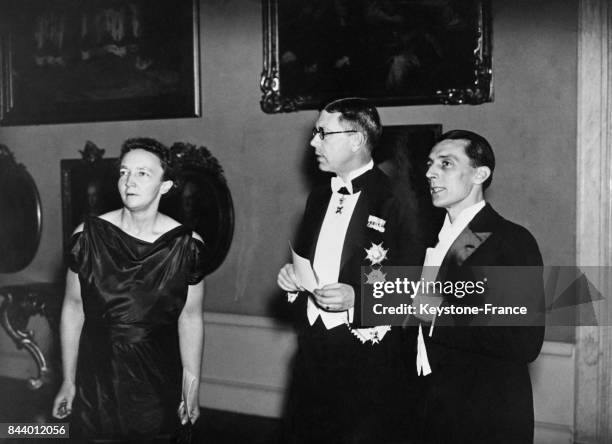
x: 360, y: 115
x: 478, y: 150
x: 154, y: 147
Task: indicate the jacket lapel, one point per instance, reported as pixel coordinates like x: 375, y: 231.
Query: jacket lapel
x: 312, y: 224
x: 355, y: 232
x: 464, y: 246
x: 470, y: 239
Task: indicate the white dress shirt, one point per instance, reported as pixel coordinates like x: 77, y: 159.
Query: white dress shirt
x: 328, y: 252
x: 433, y: 260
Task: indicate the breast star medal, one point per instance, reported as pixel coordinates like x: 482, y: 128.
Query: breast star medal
x: 376, y: 254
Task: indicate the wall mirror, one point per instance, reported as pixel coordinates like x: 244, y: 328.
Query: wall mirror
x: 20, y: 214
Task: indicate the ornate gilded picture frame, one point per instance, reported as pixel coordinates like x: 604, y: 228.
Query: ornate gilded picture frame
x: 402, y: 52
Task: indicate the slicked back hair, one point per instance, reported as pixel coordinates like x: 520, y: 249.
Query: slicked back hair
x: 478, y: 150
x: 359, y: 114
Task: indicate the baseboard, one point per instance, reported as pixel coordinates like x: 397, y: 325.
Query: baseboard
x: 547, y: 433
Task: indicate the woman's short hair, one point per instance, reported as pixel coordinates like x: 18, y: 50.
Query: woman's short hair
x: 154, y: 147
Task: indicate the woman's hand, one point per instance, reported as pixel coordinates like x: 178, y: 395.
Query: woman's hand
x: 192, y: 415
x: 62, y: 405
x: 191, y: 343
x: 189, y: 408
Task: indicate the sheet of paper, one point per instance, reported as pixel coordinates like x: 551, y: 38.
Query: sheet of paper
x: 304, y: 272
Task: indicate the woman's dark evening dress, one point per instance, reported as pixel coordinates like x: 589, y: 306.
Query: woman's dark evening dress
x: 129, y: 369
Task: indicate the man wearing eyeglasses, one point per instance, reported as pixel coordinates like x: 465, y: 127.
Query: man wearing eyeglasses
x: 348, y: 378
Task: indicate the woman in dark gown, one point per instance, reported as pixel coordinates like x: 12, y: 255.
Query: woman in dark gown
x: 134, y: 298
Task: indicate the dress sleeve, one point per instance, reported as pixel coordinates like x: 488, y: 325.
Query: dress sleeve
x: 198, y: 261
x: 77, y: 255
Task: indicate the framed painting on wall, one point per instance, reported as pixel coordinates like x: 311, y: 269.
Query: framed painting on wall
x: 89, y: 188
x: 74, y: 61
x: 401, y: 52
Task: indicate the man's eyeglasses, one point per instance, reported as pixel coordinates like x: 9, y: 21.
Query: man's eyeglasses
x: 322, y: 133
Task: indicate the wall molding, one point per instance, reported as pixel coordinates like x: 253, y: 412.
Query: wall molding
x: 546, y: 432
x: 242, y: 384
x: 557, y: 349
x: 243, y: 320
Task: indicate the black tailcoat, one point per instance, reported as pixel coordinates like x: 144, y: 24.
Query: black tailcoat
x: 479, y: 390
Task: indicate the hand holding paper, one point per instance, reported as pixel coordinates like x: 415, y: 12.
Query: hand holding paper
x: 287, y: 280
x: 303, y: 270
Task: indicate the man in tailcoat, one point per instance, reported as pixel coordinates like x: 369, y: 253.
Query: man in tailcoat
x: 474, y: 378
x: 349, y: 383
